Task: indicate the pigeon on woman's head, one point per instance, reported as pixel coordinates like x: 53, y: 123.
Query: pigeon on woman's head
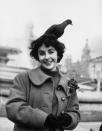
x: 57, y: 30
x: 50, y: 38
x: 52, y: 33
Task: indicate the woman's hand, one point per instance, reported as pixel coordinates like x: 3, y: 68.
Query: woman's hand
x: 57, y: 122
x: 64, y: 119
x: 51, y: 122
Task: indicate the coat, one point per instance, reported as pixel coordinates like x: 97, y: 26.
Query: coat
x: 31, y: 101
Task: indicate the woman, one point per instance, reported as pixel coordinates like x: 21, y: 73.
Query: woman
x: 43, y: 99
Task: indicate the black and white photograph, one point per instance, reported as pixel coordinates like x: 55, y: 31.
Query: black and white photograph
x: 50, y: 65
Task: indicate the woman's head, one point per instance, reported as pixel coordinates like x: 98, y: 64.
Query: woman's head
x: 47, y: 40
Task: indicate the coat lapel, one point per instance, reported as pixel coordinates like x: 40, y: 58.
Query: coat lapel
x: 37, y: 76
x: 64, y: 84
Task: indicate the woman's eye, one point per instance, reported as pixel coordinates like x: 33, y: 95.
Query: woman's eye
x: 41, y: 53
x: 51, y: 51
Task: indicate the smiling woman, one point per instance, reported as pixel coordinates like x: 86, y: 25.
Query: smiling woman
x: 41, y: 98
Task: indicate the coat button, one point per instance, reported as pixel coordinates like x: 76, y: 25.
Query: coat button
x: 63, y: 98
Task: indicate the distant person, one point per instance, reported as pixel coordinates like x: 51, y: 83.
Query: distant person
x: 43, y: 99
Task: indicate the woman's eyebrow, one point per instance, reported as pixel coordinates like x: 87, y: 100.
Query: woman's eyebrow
x: 51, y: 49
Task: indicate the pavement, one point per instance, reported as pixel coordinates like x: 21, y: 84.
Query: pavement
x: 7, y: 125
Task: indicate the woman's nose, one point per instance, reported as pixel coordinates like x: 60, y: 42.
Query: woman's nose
x: 47, y: 56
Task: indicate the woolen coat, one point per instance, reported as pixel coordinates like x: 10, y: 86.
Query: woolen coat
x: 31, y: 101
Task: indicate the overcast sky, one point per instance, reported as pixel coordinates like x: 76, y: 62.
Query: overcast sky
x: 86, y: 16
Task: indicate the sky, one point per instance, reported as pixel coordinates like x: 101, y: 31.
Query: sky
x: 86, y: 16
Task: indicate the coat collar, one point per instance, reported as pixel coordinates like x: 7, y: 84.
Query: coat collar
x: 38, y: 77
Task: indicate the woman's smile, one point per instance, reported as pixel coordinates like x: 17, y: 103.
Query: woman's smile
x: 48, y: 62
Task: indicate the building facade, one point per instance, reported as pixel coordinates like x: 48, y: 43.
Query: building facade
x: 95, y: 68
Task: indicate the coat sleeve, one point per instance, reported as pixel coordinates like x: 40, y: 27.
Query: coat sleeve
x: 73, y: 111
x: 17, y: 108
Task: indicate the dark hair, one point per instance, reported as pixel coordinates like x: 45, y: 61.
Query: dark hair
x: 47, y: 40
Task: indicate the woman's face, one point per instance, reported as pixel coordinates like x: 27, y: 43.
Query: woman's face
x: 48, y: 57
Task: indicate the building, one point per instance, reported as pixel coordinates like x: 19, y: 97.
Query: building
x: 95, y: 68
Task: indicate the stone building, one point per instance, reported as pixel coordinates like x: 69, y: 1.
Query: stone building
x: 95, y: 68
